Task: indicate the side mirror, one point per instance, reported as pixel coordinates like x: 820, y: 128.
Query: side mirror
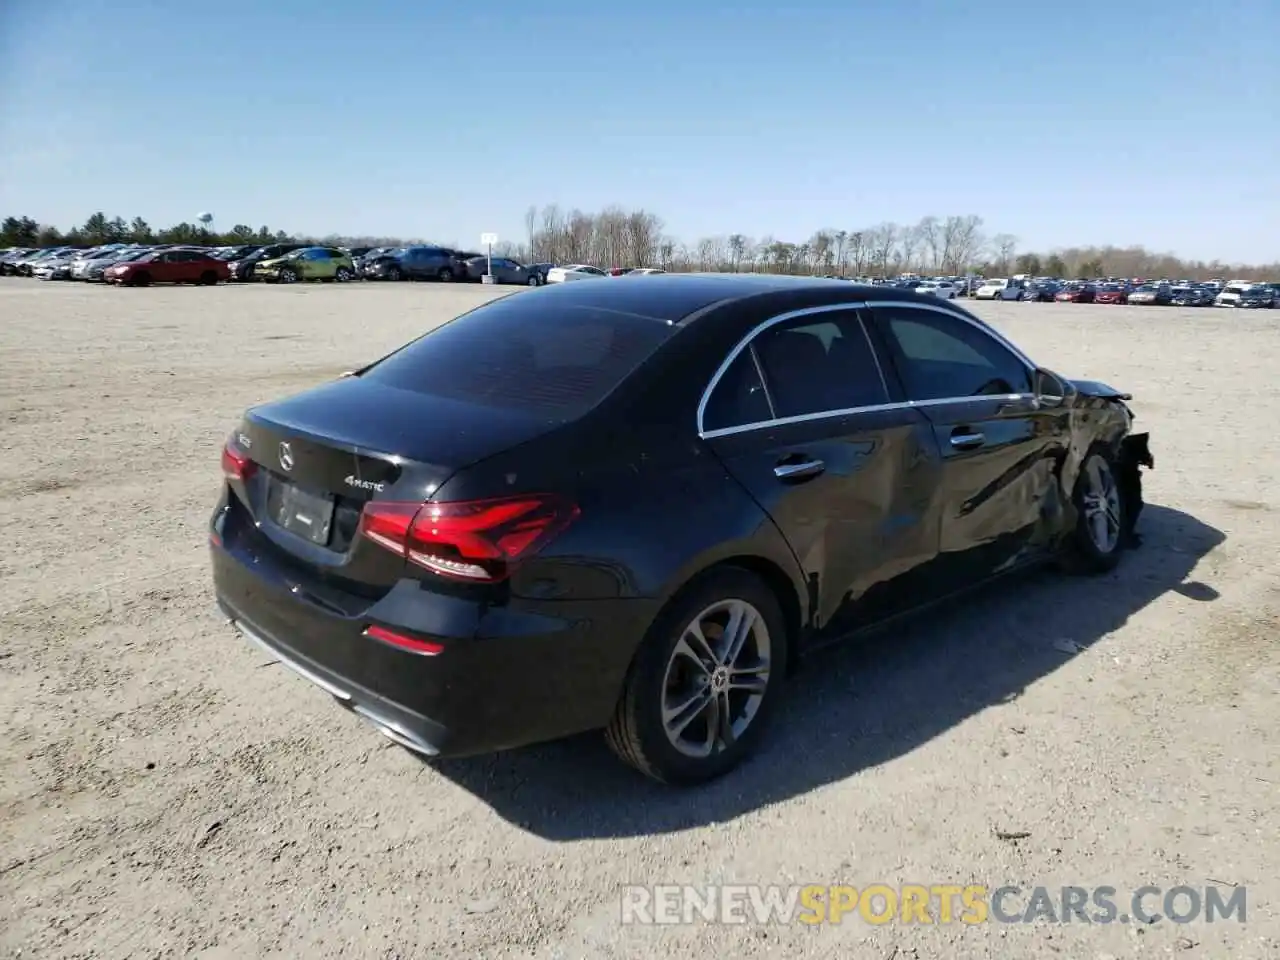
x: 1050, y: 389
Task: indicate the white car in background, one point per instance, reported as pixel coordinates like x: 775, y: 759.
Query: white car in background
x: 938, y: 288
x: 574, y: 271
x: 1000, y: 289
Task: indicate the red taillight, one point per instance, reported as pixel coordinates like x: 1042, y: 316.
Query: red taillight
x: 236, y: 464
x: 474, y: 540
x: 427, y: 648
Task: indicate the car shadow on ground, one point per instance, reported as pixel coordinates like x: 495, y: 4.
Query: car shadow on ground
x: 860, y: 704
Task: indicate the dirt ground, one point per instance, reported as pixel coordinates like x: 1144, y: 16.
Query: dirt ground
x: 167, y: 792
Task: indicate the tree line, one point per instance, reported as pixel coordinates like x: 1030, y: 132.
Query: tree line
x: 948, y: 245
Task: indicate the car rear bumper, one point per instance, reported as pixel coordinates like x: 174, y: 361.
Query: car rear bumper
x: 508, y: 675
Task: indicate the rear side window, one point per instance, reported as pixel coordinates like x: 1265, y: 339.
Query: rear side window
x: 820, y: 365
x: 739, y: 398
x: 521, y: 353
x: 811, y: 365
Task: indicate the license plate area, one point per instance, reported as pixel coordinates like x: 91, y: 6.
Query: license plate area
x: 304, y: 513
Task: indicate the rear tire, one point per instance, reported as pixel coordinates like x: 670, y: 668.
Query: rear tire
x: 534, y: 281
x: 1094, y: 545
x: 667, y: 723
x: 445, y: 275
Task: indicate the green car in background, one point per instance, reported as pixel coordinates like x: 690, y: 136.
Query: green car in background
x: 309, y: 263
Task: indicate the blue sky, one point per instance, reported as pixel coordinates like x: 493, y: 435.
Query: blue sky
x: 1120, y: 122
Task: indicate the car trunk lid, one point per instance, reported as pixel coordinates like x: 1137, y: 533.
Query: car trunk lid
x: 320, y: 456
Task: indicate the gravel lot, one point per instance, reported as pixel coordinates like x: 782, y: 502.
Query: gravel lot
x: 167, y: 792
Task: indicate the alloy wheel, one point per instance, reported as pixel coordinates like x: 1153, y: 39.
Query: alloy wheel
x: 1101, y: 505
x: 715, y: 679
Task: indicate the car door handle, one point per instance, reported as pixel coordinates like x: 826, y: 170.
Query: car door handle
x: 799, y: 470
x: 965, y: 440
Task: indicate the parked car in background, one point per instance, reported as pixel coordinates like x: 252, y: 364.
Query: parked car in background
x: 1193, y: 296
x: 10, y: 258
x: 93, y: 271
x: 574, y: 271
x: 505, y: 270
x: 645, y: 271
x: 461, y: 542
x: 1042, y: 291
x: 175, y: 265
x: 242, y: 269
x: 25, y: 266
x: 1151, y: 294
x: 234, y: 254
x: 57, y: 267
x: 1258, y: 296
x: 992, y: 289
x: 1077, y: 292
x: 943, y: 289
x: 309, y: 263
x: 1113, y: 293
x: 1001, y: 289
x: 542, y: 267
x: 415, y: 263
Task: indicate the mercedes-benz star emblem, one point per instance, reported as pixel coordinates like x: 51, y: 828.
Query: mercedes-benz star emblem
x: 286, y: 455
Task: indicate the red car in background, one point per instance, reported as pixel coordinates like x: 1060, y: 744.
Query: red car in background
x: 169, y: 266
x: 1112, y: 293
x: 1077, y: 293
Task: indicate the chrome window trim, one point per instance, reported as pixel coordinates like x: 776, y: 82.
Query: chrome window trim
x: 876, y: 408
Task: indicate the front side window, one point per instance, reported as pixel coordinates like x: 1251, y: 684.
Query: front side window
x: 940, y: 356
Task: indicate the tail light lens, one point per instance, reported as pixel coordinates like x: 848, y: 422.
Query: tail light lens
x: 480, y: 541
x: 236, y: 464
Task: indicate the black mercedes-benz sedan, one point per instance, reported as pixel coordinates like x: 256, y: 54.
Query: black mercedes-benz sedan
x: 633, y: 506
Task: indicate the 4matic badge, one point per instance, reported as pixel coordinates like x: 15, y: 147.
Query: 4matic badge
x: 351, y: 481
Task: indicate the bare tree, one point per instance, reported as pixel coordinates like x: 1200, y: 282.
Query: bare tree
x: 1005, y: 246
x: 952, y: 244
x: 929, y: 234
x: 882, y: 240
x: 961, y: 241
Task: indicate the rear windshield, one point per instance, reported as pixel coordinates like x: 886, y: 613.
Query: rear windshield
x: 523, y: 353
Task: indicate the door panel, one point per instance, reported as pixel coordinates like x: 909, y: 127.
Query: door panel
x: 1000, y: 450
x: 863, y: 521
x: 1001, y: 459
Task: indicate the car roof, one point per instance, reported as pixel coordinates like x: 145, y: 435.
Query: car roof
x: 681, y: 297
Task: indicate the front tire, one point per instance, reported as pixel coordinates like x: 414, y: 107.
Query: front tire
x: 208, y: 278
x: 343, y: 275
x: 698, y: 694
x: 1094, y: 545
x: 287, y: 275
x: 445, y: 275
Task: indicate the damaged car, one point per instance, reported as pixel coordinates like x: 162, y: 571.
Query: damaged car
x: 633, y: 507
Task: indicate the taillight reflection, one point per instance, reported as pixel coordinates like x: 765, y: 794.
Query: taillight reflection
x: 236, y: 464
